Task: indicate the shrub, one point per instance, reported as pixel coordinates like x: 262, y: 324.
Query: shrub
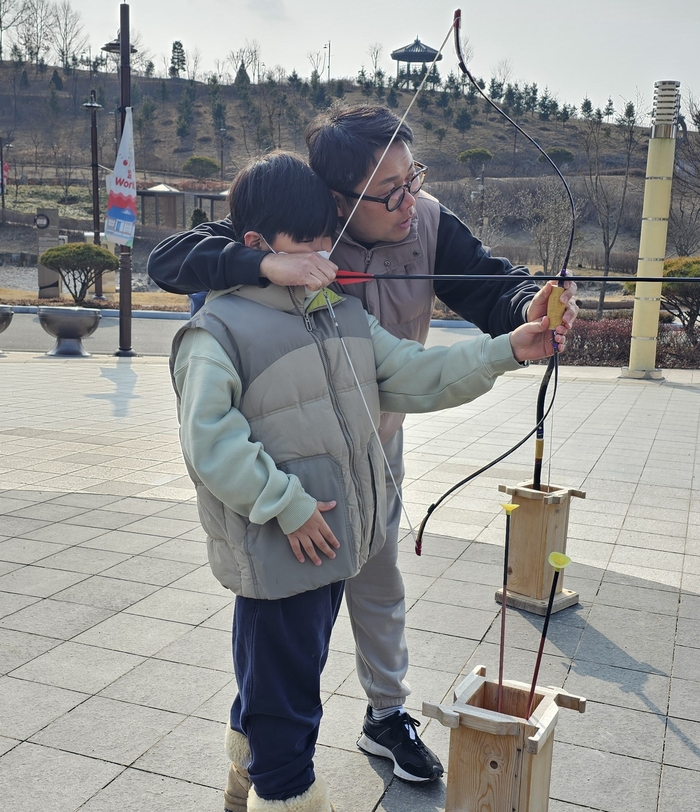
x: 200, y: 166
x: 198, y: 217
x: 603, y: 343
x: 79, y: 265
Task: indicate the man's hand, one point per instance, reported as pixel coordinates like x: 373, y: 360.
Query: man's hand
x: 533, y: 340
x: 314, y: 533
x: 308, y: 269
x: 538, y: 306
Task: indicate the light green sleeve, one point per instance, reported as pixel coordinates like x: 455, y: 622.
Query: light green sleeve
x: 412, y: 378
x: 216, y: 443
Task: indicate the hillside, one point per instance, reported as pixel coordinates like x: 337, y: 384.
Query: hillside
x: 41, y: 114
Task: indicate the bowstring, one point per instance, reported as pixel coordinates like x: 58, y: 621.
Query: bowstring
x: 392, y: 139
x: 331, y: 311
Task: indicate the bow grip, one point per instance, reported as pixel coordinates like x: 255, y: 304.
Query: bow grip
x: 555, y: 308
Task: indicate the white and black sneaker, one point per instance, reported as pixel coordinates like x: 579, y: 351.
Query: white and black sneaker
x: 395, y: 737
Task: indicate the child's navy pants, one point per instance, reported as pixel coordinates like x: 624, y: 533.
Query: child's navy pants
x: 279, y: 650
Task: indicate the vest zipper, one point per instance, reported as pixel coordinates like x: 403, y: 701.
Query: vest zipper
x: 339, y: 415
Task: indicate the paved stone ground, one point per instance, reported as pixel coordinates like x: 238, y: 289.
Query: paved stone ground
x: 115, y: 674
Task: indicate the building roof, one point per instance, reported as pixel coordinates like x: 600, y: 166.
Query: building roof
x: 415, y: 52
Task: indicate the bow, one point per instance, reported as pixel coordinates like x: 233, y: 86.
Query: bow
x: 553, y: 366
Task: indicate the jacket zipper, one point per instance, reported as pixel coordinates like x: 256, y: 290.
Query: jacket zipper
x: 339, y: 415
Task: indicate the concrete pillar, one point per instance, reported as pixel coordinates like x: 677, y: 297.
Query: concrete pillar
x: 652, y: 242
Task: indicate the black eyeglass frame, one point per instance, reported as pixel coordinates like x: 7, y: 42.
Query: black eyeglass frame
x: 405, y: 187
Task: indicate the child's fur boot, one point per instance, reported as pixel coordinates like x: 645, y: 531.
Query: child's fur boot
x: 315, y: 799
x: 238, y: 785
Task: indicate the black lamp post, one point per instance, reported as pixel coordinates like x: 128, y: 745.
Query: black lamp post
x: 123, y: 47
x: 93, y: 107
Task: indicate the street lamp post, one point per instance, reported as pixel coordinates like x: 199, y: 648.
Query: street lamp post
x: 222, y: 133
x: 327, y: 46
x: 3, y: 147
x: 93, y: 107
x: 122, y: 46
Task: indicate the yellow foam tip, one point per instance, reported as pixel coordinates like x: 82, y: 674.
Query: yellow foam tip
x: 559, y: 561
x: 509, y: 507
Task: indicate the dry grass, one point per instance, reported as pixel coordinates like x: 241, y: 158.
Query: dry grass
x: 139, y: 301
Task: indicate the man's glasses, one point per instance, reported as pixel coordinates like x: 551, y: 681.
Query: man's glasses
x: 396, y: 196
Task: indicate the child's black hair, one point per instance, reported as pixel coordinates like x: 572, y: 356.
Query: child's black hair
x: 343, y: 142
x: 280, y: 194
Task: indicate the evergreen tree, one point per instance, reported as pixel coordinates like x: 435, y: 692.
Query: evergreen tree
x: 178, y: 61
x: 463, y: 121
x: 242, y: 80
x: 55, y: 82
x: 392, y: 99
x: 609, y: 109
x: 586, y: 109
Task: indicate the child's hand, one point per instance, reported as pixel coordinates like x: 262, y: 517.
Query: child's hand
x: 308, y: 269
x: 533, y: 340
x: 314, y: 533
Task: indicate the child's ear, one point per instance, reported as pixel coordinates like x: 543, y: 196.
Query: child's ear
x: 254, y: 240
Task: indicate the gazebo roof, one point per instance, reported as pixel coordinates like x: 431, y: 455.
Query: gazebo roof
x: 415, y: 52
x: 163, y: 188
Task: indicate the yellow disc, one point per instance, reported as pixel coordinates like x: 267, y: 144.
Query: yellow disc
x: 509, y: 507
x: 559, y: 561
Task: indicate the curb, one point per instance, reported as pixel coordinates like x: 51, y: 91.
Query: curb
x: 114, y: 314
x: 183, y: 316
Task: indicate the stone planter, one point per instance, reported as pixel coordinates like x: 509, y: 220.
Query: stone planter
x: 69, y: 325
x: 6, y: 314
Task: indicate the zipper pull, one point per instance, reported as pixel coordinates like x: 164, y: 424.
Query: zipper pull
x: 307, y: 322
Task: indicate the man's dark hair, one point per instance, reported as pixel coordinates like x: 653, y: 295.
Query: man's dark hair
x: 279, y: 194
x: 343, y: 142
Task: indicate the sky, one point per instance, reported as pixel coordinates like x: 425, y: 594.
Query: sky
x: 596, y: 48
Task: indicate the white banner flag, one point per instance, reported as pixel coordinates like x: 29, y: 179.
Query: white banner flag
x: 120, y: 222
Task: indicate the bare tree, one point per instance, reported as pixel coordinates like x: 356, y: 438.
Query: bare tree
x: 546, y: 213
x: 33, y: 33
x: 607, y: 195
x: 66, y: 33
x: 12, y: 13
x: 194, y: 59
x: 684, y: 219
x: 503, y: 71
x: 375, y: 52
x: 248, y: 56
x: 317, y: 60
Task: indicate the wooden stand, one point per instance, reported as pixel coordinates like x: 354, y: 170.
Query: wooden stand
x: 500, y: 762
x: 538, y: 528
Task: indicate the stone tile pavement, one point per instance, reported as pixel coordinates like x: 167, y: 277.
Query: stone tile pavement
x: 115, y: 674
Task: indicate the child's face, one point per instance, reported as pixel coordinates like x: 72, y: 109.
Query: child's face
x: 284, y: 244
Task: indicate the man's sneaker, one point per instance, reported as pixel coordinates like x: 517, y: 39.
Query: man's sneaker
x: 395, y: 737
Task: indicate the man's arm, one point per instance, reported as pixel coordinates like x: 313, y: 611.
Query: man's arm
x: 494, y: 308
x: 209, y: 258
x: 206, y: 258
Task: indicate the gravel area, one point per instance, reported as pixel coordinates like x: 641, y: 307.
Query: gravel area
x: 17, y: 277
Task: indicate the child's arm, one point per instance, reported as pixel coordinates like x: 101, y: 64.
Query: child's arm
x: 216, y: 443
x: 412, y: 378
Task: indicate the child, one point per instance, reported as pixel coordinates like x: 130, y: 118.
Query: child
x: 275, y: 390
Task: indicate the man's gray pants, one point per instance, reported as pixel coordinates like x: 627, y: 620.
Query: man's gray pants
x: 376, y: 602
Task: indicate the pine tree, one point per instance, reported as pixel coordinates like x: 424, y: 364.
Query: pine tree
x: 178, y: 61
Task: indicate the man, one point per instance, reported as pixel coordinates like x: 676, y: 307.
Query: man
x: 395, y: 228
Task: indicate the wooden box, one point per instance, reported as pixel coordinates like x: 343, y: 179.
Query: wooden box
x: 500, y: 762
x: 539, y: 527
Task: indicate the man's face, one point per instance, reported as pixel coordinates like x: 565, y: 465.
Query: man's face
x: 371, y: 222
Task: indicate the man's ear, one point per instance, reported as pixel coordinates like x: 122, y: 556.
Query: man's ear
x: 339, y: 202
x: 254, y: 240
